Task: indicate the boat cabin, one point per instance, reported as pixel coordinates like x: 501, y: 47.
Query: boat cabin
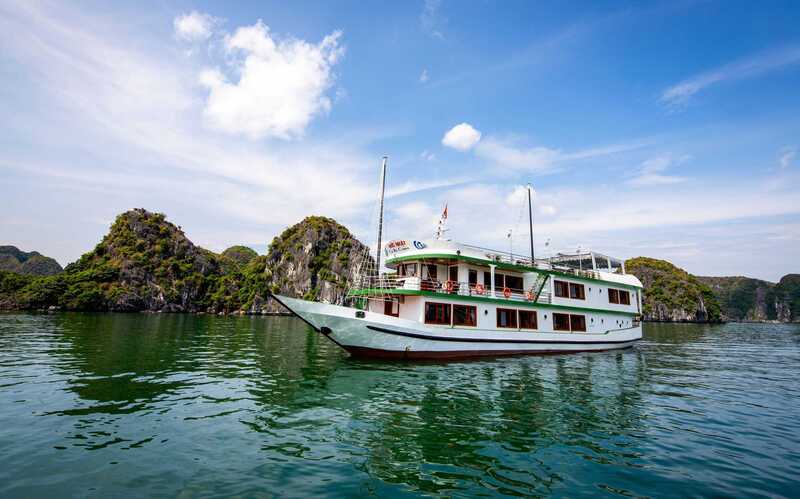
x: 456, y: 285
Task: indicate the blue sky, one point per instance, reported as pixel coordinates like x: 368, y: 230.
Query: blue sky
x: 665, y: 129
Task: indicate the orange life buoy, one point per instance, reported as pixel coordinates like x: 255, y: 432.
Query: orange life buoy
x: 507, y: 292
x: 529, y: 295
x: 448, y: 286
x: 479, y: 289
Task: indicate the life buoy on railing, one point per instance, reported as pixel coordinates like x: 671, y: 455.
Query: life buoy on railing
x: 480, y: 289
x: 507, y: 292
x: 529, y: 295
x: 449, y: 286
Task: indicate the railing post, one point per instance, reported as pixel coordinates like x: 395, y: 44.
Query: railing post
x: 491, y: 273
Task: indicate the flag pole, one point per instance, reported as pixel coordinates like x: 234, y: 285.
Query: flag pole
x: 380, y: 215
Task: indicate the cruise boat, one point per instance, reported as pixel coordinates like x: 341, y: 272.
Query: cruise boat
x: 441, y: 299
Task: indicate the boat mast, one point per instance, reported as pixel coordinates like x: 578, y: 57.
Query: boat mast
x: 380, y: 215
x: 530, y: 224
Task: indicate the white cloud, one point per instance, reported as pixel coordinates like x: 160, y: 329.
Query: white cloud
x: 787, y: 156
x: 461, y: 137
x: 412, y: 186
x: 427, y: 155
x: 194, y: 26
x: 423, y: 78
x: 281, y: 85
x: 504, y: 154
x: 430, y: 19
x: 650, y: 173
x: 679, y: 94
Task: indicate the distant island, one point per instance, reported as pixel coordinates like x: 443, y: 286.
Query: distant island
x: 146, y: 263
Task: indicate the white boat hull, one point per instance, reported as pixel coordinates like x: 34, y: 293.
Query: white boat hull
x: 370, y: 334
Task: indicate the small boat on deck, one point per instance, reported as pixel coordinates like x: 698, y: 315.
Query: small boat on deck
x: 444, y: 300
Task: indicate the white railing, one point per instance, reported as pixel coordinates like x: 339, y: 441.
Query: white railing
x: 540, y: 263
x: 386, y: 284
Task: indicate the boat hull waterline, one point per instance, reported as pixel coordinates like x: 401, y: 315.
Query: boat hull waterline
x: 377, y: 335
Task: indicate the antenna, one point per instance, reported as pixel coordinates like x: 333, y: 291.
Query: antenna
x: 380, y: 215
x: 530, y: 224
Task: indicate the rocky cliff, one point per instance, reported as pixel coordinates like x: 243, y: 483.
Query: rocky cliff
x: 673, y: 295
x: 146, y: 263
x: 747, y: 299
x: 12, y: 259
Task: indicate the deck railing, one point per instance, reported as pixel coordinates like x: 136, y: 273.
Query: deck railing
x: 539, y: 263
x: 387, y: 284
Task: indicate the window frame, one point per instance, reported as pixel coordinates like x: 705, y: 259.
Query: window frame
x: 557, y: 286
x: 513, y: 315
x: 474, y: 315
x: 447, y: 306
x: 391, y: 301
x: 627, y: 295
x: 569, y: 322
x: 581, y: 287
x: 582, y: 318
x: 613, y: 296
x: 535, y: 319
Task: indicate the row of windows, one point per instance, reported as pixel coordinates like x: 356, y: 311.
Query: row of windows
x: 577, y: 291
x: 507, y: 318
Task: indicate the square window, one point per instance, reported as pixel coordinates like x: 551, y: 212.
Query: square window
x: 561, y: 322
x: 578, y: 322
x: 527, y: 319
x: 561, y: 289
x: 437, y: 313
x: 465, y: 315
x: 576, y: 291
x: 507, y: 318
x: 613, y: 295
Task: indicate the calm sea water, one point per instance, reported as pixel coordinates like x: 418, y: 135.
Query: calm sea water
x: 106, y: 405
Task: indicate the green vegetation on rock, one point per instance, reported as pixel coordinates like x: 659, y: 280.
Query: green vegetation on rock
x: 33, y: 263
x: 747, y: 299
x: 147, y: 263
x: 671, y: 294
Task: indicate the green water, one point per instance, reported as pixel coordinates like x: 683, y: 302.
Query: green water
x: 190, y: 406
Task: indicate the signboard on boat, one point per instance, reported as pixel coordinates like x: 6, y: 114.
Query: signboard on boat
x: 398, y: 245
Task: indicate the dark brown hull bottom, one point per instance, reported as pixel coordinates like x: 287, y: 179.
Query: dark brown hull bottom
x: 374, y: 353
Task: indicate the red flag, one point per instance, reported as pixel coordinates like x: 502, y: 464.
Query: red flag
x: 444, y: 213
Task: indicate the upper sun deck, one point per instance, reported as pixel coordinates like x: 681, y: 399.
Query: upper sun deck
x: 581, y: 265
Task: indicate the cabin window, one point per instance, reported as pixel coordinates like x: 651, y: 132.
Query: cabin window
x: 391, y: 307
x: 527, y: 319
x: 465, y: 315
x: 576, y: 291
x: 613, y: 295
x: 561, y: 322
x: 561, y: 288
x: 624, y: 297
x: 407, y: 270
x: 578, y: 322
x: 506, y: 317
x: 437, y: 313
x: 429, y: 271
x: 487, y: 280
x: 473, y: 277
x: 514, y: 282
x: 453, y: 274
